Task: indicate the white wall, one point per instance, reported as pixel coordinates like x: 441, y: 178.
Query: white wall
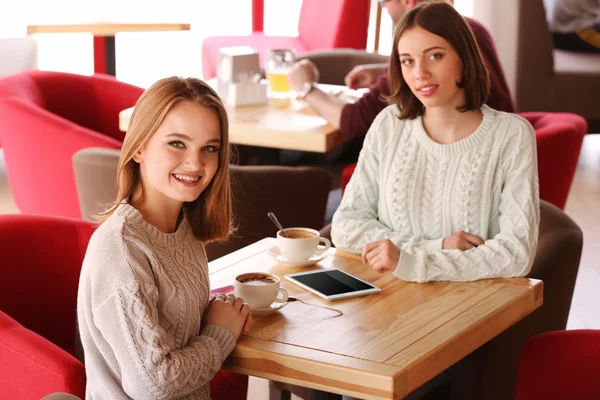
x: 142, y: 57
x: 501, y: 19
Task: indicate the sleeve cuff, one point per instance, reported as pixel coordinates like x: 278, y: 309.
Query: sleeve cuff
x: 223, y: 337
x: 406, y: 268
x: 434, y: 245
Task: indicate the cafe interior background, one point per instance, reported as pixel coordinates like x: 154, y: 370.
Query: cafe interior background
x: 144, y: 57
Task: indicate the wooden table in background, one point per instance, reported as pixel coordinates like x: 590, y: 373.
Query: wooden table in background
x: 292, y: 127
x: 104, y: 38
x: 385, y: 345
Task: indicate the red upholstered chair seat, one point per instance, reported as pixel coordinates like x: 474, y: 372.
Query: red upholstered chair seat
x: 39, y: 276
x: 560, y: 365
x: 45, y: 117
x: 322, y: 25
x: 558, y: 138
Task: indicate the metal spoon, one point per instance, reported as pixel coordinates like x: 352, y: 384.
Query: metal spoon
x: 292, y: 299
x: 276, y: 222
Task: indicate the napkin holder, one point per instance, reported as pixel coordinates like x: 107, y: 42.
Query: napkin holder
x: 238, y: 77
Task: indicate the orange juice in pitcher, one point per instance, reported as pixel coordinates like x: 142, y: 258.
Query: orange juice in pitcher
x: 278, y: 82
x: 278, y: 65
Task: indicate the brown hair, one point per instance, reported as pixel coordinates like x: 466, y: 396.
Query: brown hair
x: 439, y: 18
x: 210, y: 215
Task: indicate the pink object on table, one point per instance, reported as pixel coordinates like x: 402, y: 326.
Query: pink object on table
x: 221, y: 290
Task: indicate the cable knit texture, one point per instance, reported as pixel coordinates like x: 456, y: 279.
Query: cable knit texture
x: 415, y: 192
x: 141, y: 297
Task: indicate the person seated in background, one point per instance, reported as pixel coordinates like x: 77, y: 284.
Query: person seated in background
x: 575, y: 24
x: 354, y: 119
x: 446, y: 187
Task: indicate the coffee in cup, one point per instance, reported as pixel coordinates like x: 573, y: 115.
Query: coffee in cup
x: 259, y: 289
x: 299, y: 244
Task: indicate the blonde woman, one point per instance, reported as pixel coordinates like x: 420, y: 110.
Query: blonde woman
x: 147, y: 327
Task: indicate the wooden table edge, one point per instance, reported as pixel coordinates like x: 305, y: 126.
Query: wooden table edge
x: 107, y: 29
x: 533, y: 297
x: 293, y: 364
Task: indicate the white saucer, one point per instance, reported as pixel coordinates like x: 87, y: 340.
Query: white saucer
x: 276, y: 255
x: 274, y: 307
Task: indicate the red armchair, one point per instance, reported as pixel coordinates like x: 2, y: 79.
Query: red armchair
x: 558, y: 138
x: 560, y: 365
x: 322, y: 25
x: 39, y: 275
x: 45, y: 118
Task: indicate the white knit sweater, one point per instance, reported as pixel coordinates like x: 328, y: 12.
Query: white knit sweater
x: 141, y: 297
x: 568, y: 16
x: 415, y: 192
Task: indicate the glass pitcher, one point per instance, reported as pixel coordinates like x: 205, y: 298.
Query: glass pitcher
x: 278, y: 65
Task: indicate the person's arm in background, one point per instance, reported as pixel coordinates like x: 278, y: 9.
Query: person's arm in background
x: 499, y: 97
x: 352, y: 119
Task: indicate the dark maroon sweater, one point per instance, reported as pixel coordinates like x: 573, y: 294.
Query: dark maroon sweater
x: 357, y: 118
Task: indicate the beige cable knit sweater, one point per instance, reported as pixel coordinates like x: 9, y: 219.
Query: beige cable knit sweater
x: 415, y: 192
x: 141, y: 297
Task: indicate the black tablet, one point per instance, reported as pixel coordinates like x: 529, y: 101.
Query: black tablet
x: 332, y: 284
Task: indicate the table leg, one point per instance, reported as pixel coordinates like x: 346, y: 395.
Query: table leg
x: 104, y: 55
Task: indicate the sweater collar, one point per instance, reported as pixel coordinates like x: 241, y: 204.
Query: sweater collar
x: 170, y: 239
x: 460, y: 146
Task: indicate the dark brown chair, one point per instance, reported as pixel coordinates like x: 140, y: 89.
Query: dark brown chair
x: 297, y: 195
x: 490, y: 372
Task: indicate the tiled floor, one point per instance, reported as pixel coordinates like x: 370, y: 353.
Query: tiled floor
x: 583, y: 206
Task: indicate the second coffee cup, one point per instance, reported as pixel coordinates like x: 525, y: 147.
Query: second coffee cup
x: 299, y: 244
x: 259, y: 289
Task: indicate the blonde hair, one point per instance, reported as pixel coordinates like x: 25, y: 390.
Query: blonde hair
x: 210, y: 215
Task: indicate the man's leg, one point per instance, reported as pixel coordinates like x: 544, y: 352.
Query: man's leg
x: 585, y: 40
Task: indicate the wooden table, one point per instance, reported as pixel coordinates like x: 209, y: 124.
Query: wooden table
x: 104, y: 38
x: 385, y: 345
x: 293, y: 127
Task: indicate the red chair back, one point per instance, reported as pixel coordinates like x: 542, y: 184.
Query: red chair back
x: 39, y: 275
x: 48, y: 116
x: 560, y: 365
x: 558, y: 137
x: 334, y: 24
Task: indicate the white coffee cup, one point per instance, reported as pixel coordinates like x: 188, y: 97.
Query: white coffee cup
x: 301, y: 243
x: 259, y: 289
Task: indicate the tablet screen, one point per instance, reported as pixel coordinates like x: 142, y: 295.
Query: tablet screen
x: 332, y: 282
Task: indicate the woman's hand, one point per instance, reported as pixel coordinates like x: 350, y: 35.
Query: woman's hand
x: 382, y: 255
x: 461, y: 241
x: 362, y: 76
x: 230, y: 312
